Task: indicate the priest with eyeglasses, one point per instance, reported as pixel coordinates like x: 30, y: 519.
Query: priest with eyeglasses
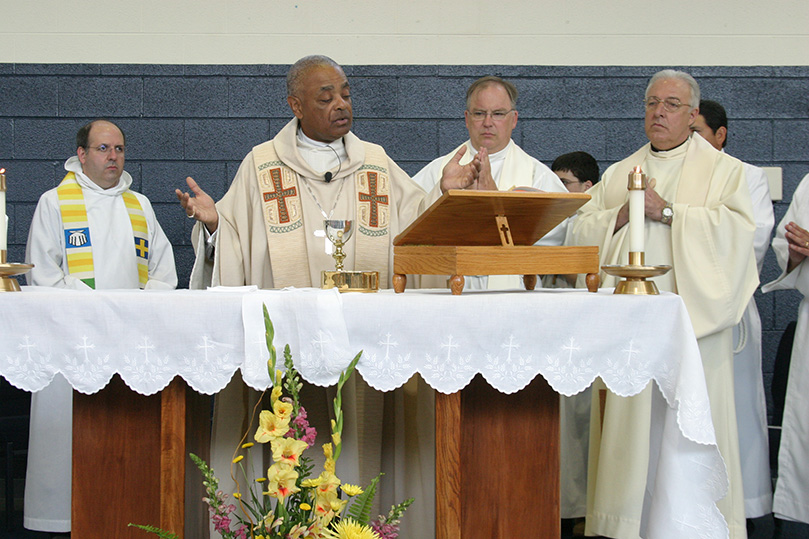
x: 491, y: 116
x: 699, y: 220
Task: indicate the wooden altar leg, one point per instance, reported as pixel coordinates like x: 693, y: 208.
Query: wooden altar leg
x: 130, y: 461
x: 116, y: 462
x: 456, y: 284
x: 592, y: 281
x: 399, y: 282
x: 530, y: 281
x: 494, y: 452
x: 448, y: 501
x: 172, y: 456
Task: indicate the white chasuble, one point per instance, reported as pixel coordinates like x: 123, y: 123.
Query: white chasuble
x: 377, y: 194
x: 710, y: 246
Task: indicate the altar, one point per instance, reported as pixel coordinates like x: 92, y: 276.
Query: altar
x: 569, y: 337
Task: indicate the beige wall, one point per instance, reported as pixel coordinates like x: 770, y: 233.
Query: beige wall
x: 517, y: 32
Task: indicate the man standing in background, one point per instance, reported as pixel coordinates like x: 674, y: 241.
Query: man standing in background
x: 751, y: 404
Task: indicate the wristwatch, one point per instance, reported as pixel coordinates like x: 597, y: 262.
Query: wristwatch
x: 667, y: 213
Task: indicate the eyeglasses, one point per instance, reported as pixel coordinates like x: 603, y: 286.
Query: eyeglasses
x: 497, y: 115
x: 105, y: 149
x: 670, y: 104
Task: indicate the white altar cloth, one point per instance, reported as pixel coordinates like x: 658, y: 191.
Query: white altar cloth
x: 568, y: 336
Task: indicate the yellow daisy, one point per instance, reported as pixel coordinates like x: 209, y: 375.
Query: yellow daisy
x: 349, y: 529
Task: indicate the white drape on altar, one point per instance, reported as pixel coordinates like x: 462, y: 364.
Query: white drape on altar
x: 507, y: 337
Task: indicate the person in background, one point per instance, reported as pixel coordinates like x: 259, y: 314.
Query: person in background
x: 791, y: 246
x: 578, y: 171
x: 748, y: 380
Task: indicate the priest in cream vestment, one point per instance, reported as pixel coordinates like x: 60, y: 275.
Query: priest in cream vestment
x: 698, y: 220
x: 268, y: 231
x: 491, y: 116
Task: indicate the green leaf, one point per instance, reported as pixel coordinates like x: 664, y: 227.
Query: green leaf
x: 155, y: 530
x: 269, y: 335
x: 360, y: 509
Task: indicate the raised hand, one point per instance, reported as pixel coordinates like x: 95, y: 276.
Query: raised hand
x: 485, y: 180
x: 200, y: 206
x: 457, y: 176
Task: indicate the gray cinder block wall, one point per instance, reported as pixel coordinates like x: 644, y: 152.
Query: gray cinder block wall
x: 200, y: 120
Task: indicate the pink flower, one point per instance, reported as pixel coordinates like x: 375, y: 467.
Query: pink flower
x: 309, y: 436
x: 221, y: 523
x: 300, y: 419
x: 385, y: 531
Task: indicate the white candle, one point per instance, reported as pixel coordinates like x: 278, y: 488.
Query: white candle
x: 3, y: 227
x: 637, y: 210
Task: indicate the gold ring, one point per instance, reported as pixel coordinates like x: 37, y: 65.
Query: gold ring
x: 806, y: 244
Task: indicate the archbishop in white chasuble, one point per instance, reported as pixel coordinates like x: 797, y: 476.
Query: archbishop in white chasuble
x: 271, y: 235
x: 708, y: 241
x: 268, y: 231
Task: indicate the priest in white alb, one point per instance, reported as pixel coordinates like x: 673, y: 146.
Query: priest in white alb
x: 90, y: 232
x: 268, y: 231
x: 791, y: 246
x: 491, y: 116
x: 699, y: 220
x: 751, y: 404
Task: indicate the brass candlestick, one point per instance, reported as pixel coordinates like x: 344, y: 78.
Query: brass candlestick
x: 7, y: 271
x: 339, y: 232
x: 636, y: 272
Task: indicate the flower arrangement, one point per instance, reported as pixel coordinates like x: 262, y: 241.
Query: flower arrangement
x: 289, y: 503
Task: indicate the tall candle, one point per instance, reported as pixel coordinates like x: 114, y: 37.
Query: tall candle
x: 637, y: 209
x: 3, y: 227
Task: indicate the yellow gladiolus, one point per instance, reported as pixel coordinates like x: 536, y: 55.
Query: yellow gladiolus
x: 287, y: 450
x: 281, y: 481
x: 275, y: 394
x: 283, y: 410
x: 270, y: 427
x: 328, y: 482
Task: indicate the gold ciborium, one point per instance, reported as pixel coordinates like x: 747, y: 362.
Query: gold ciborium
x: 339, y: 232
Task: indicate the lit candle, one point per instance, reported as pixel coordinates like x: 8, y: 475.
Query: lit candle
x: 637, y: 214
x: 3, y: 227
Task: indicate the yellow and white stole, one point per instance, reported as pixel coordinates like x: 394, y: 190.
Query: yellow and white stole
x: 283, y: 215
x: 78, y: 244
